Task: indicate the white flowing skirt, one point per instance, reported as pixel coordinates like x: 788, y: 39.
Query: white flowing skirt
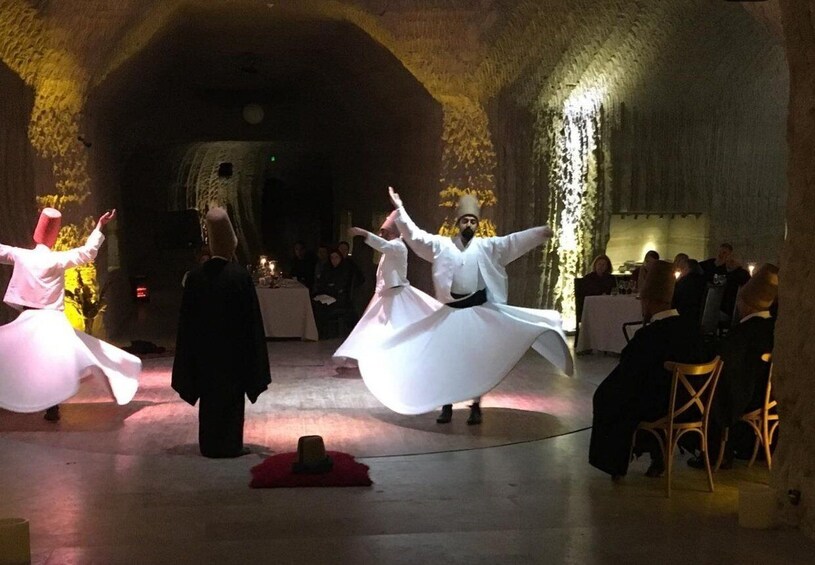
x: 43, y: 359
x: 459, y: 354
x: 387, y: 312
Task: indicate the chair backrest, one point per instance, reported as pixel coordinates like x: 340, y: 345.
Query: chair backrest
x: 698, y: 382
x: 579, y: 296
x: 710, y: 310
x: 769, y: 401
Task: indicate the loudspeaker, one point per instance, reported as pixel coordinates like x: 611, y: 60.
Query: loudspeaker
x: 225, y: 170
x: 179, y: 230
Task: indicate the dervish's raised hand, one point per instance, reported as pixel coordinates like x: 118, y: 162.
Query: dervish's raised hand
x: 397, y: 202
x: 357, y: 232
x: 105, y: 218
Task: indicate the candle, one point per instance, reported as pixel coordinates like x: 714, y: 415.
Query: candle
x: 15, y: 545
x: 751, y: 267
x: 676, y: 274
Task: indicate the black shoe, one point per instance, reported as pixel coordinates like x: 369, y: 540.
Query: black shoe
x: 475, y: 414
x: 446, y: 414
x: 697, y: 462
x: 52, y: 414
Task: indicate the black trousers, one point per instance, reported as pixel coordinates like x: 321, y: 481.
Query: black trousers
x: 220, y: 423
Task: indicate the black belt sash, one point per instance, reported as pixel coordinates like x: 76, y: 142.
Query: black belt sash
x: 477, y: 298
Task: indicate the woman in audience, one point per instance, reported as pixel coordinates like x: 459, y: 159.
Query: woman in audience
x: 599, y: 280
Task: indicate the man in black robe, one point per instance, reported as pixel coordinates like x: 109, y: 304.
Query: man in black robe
x: 638, y: 389
x: 743, y: 382
x: 221, y: 348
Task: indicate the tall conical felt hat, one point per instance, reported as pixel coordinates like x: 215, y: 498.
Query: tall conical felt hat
x: 222, y: 238
x: 390, y: 224
x: 48, y: 226
x: 762, y: 288
x: 468, y: 206
x: 659, y: 282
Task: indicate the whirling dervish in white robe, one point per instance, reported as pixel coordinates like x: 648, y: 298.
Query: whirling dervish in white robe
x: 395, y: 303
x: 42, y: 357
x: 464, y: 349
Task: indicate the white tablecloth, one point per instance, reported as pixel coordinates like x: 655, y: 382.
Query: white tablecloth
x: 601, y: 325
x: 287, y: 311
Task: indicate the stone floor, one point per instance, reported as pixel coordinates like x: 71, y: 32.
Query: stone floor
x: 532, y: 502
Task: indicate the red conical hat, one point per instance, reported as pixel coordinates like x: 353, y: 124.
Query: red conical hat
x: 48, y: 226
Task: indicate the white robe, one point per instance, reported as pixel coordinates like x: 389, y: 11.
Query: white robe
x: 395, y: 303
x: 458, y: 354
x: 42, y: 357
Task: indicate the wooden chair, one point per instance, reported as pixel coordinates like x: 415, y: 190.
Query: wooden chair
x: 763, y: 421
x: 698, y: 383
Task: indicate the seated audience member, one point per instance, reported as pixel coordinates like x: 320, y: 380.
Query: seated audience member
x: 679, y: 258
x: 332, y: 298
x: 599, y: 280
x: 302, y: 265
x: 639, y: 386
x: 735, y: 276
x: 743, y: 381
x: 709, y: 266
x: 321, y: 265
x: 689, y: 292
x: 638, y: 274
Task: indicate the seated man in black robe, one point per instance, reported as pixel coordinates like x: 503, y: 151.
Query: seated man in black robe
x: 743, y: 381
x: 639, y: 387
x: 221, y: 348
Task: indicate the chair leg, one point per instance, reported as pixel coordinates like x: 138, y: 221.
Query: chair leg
x: 767, y: 440
x: 709, y: 471
x: 706, y: 454
x: 720, y: 458
x: 668, y: 456
x: 756, y: 445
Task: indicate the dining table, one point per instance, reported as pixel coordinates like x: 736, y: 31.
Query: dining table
x: 601, y: 325
x: 286, y: 310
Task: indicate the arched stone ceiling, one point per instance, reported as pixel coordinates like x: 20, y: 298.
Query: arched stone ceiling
x: 463, y: 52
